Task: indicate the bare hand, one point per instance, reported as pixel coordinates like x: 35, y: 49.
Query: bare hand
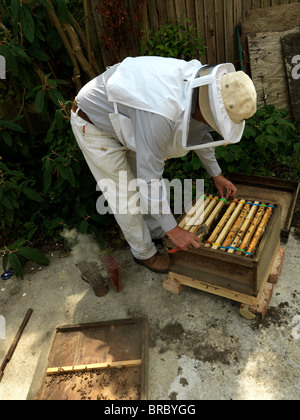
x: 183, y: 238
x: 225, y: 187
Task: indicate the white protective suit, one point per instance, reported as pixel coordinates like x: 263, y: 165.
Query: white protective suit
x: 140, y: 110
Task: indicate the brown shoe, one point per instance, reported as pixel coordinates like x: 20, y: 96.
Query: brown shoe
x: 157, y: 263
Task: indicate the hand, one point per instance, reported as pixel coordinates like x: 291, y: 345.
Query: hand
x: 183, y: 238
x: 225, y: 187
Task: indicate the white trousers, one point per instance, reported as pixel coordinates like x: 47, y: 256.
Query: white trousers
x: 106, y: 158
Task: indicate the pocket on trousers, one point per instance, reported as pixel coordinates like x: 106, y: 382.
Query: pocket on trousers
x: 90, y: 131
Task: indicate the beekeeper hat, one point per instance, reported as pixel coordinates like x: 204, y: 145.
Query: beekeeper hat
x: 229, y: 102
x: 226, y: 99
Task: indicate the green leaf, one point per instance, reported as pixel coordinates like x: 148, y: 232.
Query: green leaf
x: 62, y: 171
x: 27, y: 23
x: 260, y: 140
x: 196, y: 166
x: 297, y: 147
x: 32, y: 194
x: 50, y: 131
x: 269, y: 121
x: 47, y: 180
x: 7, y: 138
x: 62, y: 11
x: 24, y: 75
x: 6, y: 202
x: 37, y: 53
x: 40, y: 100
x: 70, y: 175
x: 271, y: 129
x: 273, y: 140
x: 33, y: 91
x: 52, y: 82
x: 261, y: 112
x: 229, y: 157
x: 18, y: 174
x: 5, y: 262
x: 55, y: 96
x: 16, y: 265
x: 47, y: 177
x: 10, y: 214
x: 187, y: 167
x: 34, y: 254
x: 11, y: 185
x: 61, y: 82
x: 249, y: 131
x: 81, y: 209
x: 19, y: 53
x: 19, y: 242
x: 32, y: 232
x: 59, y: 119
x: 83, y: 228
x: 14, y: 8
x: 12, y: 126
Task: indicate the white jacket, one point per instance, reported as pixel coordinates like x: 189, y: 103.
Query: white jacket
x: 158, y: 85
x: 154, y: 84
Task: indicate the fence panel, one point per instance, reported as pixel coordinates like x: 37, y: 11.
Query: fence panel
x: 215, y: 19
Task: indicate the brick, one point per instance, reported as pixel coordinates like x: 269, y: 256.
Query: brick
x: 277, y: 266
x: 172, y: 286
x: 259, y: 311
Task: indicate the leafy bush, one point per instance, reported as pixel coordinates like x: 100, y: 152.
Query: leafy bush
x: 175, y: 40
x: 60, y: 194
x: 45, y: 184
x: 270, y: 146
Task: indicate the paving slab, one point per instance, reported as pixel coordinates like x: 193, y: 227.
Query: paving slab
x: 200, y: 347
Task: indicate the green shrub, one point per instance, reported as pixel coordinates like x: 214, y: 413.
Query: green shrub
x: 175, y: 40
x: 45, y: 184
x: 270, y: 146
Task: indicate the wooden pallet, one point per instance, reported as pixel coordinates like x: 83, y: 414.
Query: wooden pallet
x: 252, y: 307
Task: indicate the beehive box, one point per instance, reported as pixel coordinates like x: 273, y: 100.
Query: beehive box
x: 230, y: 267
x: 282, y: 191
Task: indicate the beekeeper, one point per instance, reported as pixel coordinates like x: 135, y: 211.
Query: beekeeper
x: 144, y: 110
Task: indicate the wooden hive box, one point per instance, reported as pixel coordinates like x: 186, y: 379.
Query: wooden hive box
x: 234, y: 274
x: 237, y: 273
x: 282, y: 191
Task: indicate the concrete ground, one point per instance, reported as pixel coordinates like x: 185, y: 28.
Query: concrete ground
x: 199, y: 345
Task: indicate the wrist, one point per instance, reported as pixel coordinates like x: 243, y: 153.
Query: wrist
x: 220, y: 174
x: 172, y: 231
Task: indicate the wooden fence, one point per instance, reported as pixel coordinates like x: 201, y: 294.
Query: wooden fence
x: 217, y: 20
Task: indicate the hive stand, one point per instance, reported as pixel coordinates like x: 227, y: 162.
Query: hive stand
x: 251, y: 307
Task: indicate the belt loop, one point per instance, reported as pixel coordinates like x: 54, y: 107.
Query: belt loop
x: 77, y: 110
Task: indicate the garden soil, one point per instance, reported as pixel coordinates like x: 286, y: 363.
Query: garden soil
x: 200, y: 347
